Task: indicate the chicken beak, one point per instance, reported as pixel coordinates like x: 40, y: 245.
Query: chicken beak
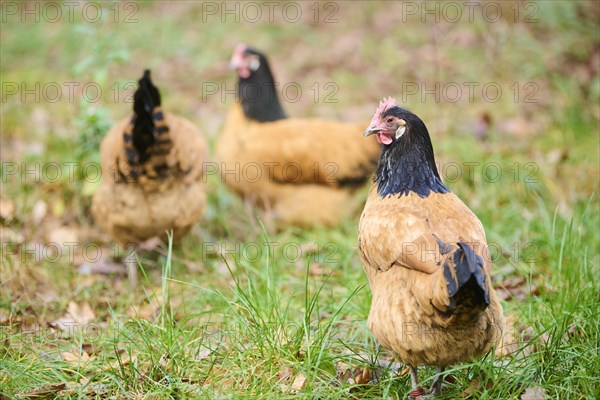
x: 371, y: 131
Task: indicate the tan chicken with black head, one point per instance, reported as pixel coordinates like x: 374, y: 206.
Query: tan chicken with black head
x: 303, y: 170
x: 425, y: 255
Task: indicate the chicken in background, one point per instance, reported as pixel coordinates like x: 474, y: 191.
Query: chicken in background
x: 425, y: 255
x: 303, y: 171
x: 152, y: 176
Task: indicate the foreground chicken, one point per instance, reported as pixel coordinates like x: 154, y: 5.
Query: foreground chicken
x: 425, y: 255
x: 152, y: 178
x: 304, y: 171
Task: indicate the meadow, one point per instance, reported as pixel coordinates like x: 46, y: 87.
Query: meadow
x: 510, y: 92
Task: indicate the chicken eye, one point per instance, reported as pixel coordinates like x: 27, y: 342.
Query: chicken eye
x: 390, y: 120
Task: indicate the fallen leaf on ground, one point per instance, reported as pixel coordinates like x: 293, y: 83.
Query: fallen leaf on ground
x: 77, y: 317
x: 284, y: 375
x: 125, y: 359
x: 298, y: 383
x: 361, y: 376
x: 89, y: 348
x: 203, y: 353
x: 75, y: 358
x: 146, y: 311
x: 534, y: 393
x: 81, y: 313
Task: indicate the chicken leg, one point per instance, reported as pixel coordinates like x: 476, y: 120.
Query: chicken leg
x: 131, y: 262
x: 436, y: 387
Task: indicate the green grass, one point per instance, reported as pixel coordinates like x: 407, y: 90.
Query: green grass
x: 238, y: 310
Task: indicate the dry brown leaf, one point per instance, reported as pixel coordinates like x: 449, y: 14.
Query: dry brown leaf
x: 77, y: 317
x: 88, y: 348
x: 145, y: 311
x: 284, y: 375
x: 534, y: 393
x: 298, y: 383
x: 82, y: 313
x: 75, y: 358
x: 125, y: 359
x: 203, y: 353
x: 353, y: 376
x: 363, y: 376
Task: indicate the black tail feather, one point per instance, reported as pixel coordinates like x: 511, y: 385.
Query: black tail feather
x: 145, y: 100
x: 467, y: 286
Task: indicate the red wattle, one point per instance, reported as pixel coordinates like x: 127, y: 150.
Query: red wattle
x: 383, y: 139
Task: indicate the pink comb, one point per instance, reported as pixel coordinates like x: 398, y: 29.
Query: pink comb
x: 238, y: 54
x: 383, y: 105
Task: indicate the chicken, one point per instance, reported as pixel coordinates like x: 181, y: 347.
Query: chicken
x: 152, y: 175
x: 425, y: 255
x: 303, y: 171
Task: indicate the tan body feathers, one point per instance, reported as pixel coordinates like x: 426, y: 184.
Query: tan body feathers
x: 304, y: 170
x: 401, y: 256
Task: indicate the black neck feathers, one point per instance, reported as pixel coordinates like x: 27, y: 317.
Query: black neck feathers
x: 259, y: 96
x: 408, y: 163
